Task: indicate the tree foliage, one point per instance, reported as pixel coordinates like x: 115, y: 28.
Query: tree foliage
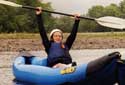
x: 122, y: 8
x: 24, y: 20
x: 19, y: 19
x: 110, y: 10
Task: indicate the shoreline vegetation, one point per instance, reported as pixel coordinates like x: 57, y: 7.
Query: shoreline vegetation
x: 37, y: 36
x: 32, y: 41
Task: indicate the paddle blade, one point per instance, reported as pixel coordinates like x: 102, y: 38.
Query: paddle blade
x: 112, y: 22
x: 9, y: 3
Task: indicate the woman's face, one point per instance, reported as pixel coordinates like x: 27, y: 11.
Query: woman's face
x: 57, y: 37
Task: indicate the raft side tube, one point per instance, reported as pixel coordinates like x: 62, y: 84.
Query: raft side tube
x: 39, y: 73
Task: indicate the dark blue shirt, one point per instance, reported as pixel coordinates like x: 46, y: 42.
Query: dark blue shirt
x: 54, y: 50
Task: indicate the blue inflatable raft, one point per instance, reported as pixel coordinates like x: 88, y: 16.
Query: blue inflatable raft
x: 38, y: 73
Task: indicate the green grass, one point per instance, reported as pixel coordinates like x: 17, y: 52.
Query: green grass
x: 80, y: 35
x: 19, y: 36
x: 103, y: 34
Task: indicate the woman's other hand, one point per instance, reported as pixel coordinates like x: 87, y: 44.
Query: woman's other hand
x: 76, y: 16
x: 39, y: 10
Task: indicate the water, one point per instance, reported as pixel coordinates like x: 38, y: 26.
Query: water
x: 80, y: 56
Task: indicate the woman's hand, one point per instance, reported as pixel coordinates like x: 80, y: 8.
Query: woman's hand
x: 76, y: 16
x: 39, y: 10
x: 59, y: 65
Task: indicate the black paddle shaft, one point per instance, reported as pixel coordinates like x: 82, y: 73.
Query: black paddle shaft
x: 29, y: 7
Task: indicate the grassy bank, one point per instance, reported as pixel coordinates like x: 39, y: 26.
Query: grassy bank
x: 37, y: 36
x: 19, y: 36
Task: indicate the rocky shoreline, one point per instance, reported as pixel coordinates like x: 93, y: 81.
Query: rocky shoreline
x: 15, y: 45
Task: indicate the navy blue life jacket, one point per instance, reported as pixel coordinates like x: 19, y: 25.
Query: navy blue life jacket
x: 57, y: 54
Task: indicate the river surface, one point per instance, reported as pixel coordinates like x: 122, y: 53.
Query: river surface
x: 80, y: 56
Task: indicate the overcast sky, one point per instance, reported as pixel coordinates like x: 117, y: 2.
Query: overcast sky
x: 78, y: 6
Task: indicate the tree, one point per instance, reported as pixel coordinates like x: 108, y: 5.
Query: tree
x: 21, y: 20
x: 100, y: 11
x: 24, y: 20
x: 96, y: 11
x: 112, y: 10
x: 122, y: 8
x: 6, y: 19
x: 64, y: 23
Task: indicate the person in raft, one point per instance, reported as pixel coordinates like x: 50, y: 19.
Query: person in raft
x: 57, y: 51
x: 101, y: 71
